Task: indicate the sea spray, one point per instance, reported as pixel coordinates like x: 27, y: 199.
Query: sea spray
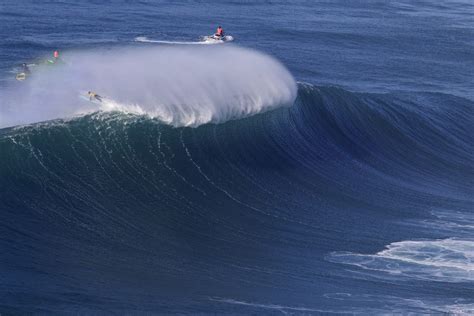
x: 182, y: 86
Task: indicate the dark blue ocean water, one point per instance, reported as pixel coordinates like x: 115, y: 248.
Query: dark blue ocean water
x: 356, y: 199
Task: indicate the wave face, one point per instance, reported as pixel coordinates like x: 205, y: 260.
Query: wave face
x: 181, y: 86
x: 124, y: 213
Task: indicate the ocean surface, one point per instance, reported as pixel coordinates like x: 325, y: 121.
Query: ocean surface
x: 322, y: 162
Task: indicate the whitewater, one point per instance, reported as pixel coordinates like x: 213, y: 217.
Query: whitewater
x: 178, y: 86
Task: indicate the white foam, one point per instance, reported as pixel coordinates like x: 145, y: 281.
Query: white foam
x: 182, y: 86
x: 383, y: 304
x: 144, y: 39
x: 447, y: 260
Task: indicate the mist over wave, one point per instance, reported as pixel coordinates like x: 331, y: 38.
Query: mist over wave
x: 182, y: 86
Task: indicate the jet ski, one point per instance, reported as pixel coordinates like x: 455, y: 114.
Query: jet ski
x: 215, y: 39
x: 24, y: 73
x: 20, y: 76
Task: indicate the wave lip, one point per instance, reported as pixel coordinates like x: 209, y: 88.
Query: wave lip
x: 182, y: 86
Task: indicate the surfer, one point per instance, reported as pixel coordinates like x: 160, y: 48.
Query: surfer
x: 220, y: 31
x: 94, y: 96
x: 25, y: 69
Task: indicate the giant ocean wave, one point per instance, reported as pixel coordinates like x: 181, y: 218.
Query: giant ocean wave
x: 119, y: 207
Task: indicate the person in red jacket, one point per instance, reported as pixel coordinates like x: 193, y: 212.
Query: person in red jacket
x: 56, y: 59
x: 220, y: 31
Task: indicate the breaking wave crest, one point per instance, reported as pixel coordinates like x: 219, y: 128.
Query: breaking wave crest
x: 181, y: 86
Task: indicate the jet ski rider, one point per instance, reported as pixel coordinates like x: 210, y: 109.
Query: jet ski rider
x: 25, y: 69
x: 220, y: 31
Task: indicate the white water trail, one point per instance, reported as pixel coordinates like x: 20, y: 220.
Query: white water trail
x: 182, y: 86
x: 144, y: 39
